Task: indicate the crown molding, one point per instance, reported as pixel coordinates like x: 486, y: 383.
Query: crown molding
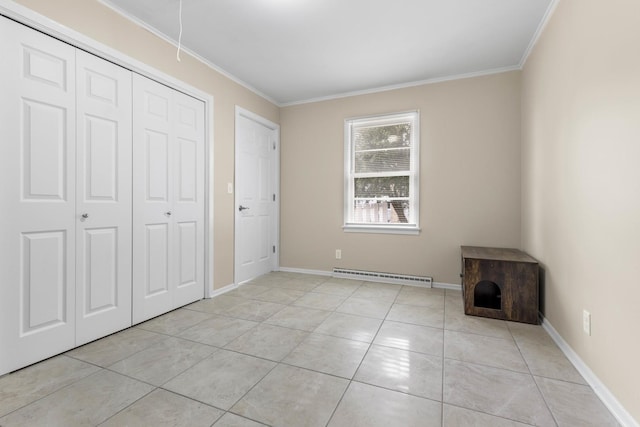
x: 188, y: 51
x: 534, y: 40
x: 405, y: 85
x: 223, y: 72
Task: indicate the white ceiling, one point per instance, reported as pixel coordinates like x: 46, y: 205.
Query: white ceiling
x: 294, y: 51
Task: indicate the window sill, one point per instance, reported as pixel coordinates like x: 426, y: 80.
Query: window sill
x: 382, y: 229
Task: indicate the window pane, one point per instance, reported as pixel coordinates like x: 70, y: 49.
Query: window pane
x: 383, y: 160
x: 380, y: 187
x: 386, y: 136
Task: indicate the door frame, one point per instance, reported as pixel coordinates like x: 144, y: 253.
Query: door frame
x: 242, y: 112
x: 30, y: 18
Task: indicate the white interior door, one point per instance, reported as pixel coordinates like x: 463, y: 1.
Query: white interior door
x: 168, y: 194
x: 188, y: 201
x: 152, y: 195
x: 37, y: 194
x: 103, y: 200
x: 256, y: 198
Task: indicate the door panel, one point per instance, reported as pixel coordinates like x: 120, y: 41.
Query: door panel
x: 152, y: 232
x: 43, y: 281
x: 255, y: 188
x: 157, y: 166
x: 103, y: 244
x: 188, y: 202
x: 44, y: 144
x: 101, y: 173
x: 168, y: 214
x: 101, y: 270
x: 103, y: 87
x: 187, y: 254
x: 37, y: 194
x: 157, y: 264
x: 187, y: 171
x: 43, y: 67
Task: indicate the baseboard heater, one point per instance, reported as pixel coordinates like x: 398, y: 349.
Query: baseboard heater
x: 374, y: 276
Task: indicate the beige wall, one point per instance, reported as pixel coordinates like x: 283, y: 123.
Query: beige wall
x: 469, y: 174
x: 102, y: 24
x: 581, y: 182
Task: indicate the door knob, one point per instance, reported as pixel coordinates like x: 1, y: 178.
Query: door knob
x: 85, y: 215
x: 168, y: 213
x: 241, y: 208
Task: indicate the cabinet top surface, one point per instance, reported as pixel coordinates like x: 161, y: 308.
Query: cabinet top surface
x: 496, y: 254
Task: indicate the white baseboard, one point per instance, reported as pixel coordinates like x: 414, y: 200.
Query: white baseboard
x: 450, y: 286
x: 605, y: 395
x: 305, y: 271
x: 222, y: 290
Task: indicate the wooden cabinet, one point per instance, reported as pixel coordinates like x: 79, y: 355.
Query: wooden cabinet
x: 500, y: 283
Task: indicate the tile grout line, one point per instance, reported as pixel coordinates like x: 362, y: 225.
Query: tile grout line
x: 276, y: 364
x: 553, y: 416
x: 128, y: 406
x: 444, y: 325
x: 494, y: 367
x: 351, y: 380
x: 54, y: 391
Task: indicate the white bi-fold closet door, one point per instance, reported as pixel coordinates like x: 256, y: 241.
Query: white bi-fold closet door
x: 37, y: 165
x: 168, y: 199
x: 68, y: 179
x: 103, y: 197
x: 66, y: 197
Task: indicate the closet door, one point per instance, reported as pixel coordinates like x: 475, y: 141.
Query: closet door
x: 188, y: 201
x: 152, y: 195
x: 103, y: 235
x: 168, y: 194
x: 37, y: 195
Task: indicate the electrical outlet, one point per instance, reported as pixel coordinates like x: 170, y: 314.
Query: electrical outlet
x: 338, y: 254
x: 586, y: 322
x: 229, y: 188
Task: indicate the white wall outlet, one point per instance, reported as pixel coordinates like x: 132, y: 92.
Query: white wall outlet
x: 230, y: 187
x: 586, y: 322
x: 338, y: 254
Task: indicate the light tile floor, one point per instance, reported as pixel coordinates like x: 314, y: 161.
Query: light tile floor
x: 293, y: 350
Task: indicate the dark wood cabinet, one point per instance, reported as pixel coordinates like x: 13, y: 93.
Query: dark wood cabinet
x: 500, y: 283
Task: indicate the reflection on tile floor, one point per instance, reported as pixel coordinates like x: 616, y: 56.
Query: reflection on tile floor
x: 291, y: 350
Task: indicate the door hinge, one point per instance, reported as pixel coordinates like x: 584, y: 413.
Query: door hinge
x: 274, y: 249
x: 274, y: 145
x: 274, y: 197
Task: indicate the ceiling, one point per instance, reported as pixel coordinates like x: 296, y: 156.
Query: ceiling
x: 294, y: 51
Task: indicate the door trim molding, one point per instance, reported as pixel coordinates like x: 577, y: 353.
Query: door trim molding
x: 30, y: 18
x: 242, y: 112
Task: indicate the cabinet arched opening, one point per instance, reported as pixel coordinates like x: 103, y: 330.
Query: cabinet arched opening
x: 487, y: 294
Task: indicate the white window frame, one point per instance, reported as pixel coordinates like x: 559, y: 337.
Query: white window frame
x: 413, y: 226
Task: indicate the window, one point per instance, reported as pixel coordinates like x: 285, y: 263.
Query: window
x: 381, y: 173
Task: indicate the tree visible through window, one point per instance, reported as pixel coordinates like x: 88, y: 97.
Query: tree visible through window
x: 381, y: 170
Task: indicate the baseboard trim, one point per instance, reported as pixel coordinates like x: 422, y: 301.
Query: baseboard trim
x: 449, y: 286
x: 305, y: 271
x: 222, y: 290
x: 605, y: 395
